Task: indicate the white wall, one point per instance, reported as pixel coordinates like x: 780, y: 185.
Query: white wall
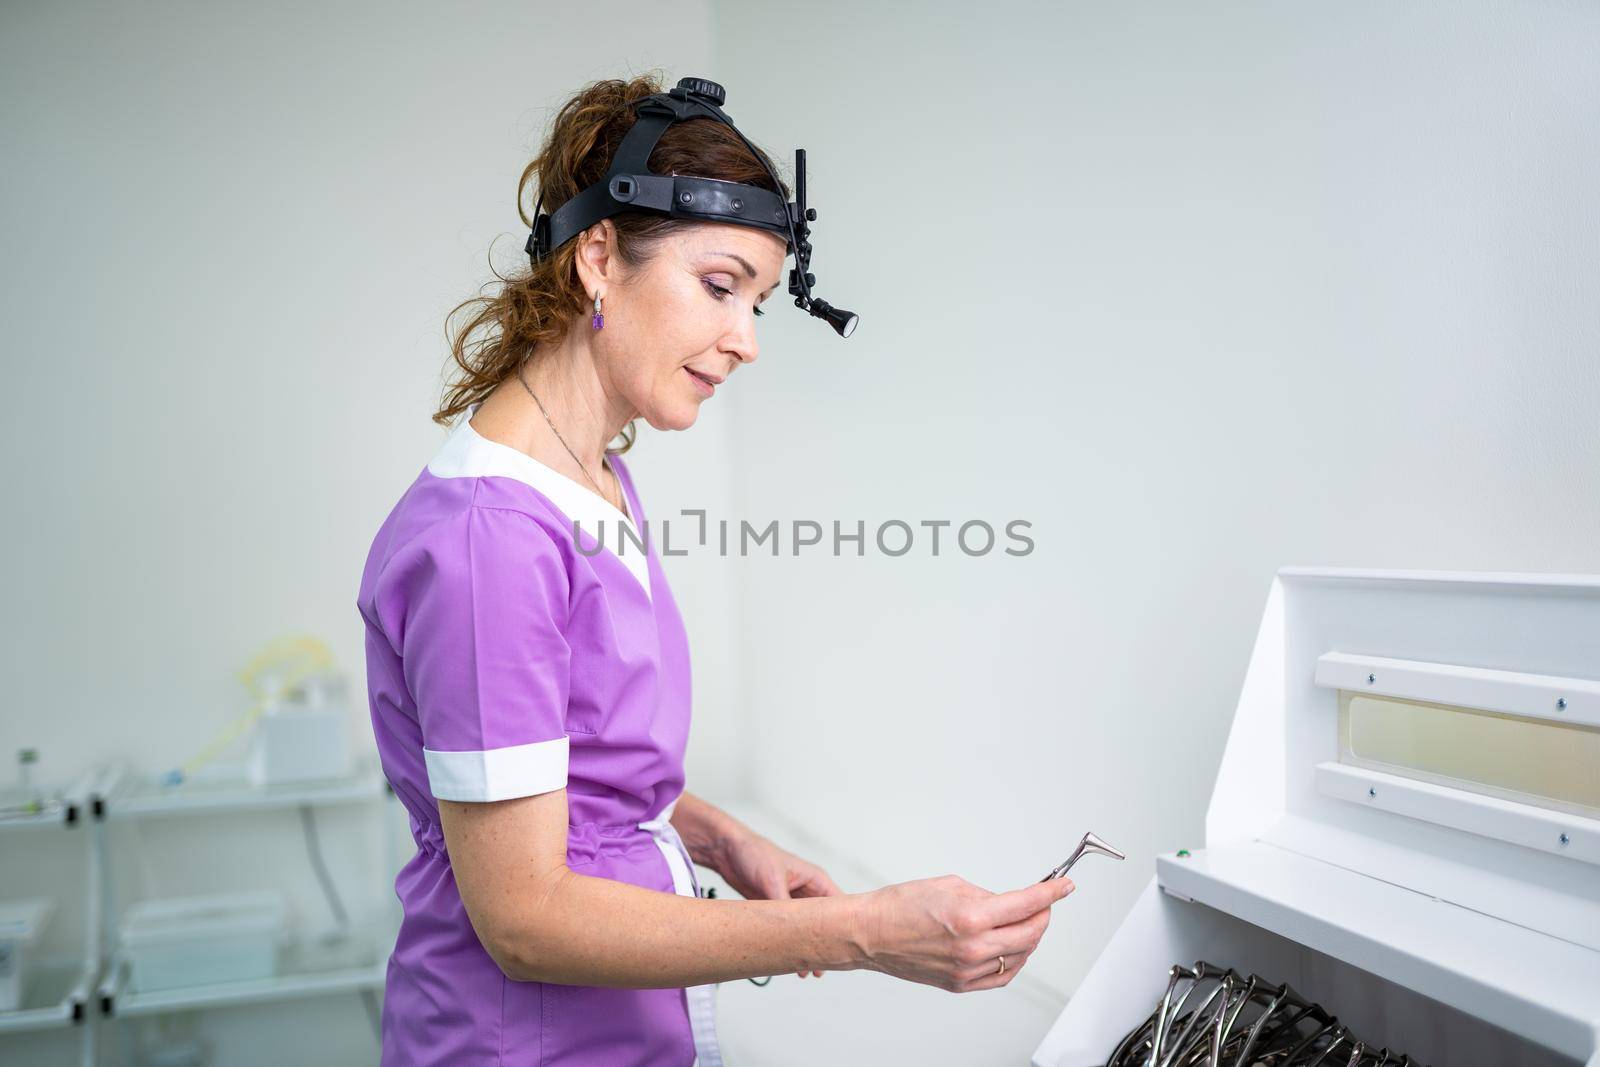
x: 1200, y: 290
x: 232, y: 234
x: 1196, y: 290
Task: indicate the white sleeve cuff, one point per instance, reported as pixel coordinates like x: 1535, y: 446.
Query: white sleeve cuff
x: 498, y: 773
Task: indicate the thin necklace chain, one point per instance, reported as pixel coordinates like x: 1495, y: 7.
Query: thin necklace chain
x: 563, y: 440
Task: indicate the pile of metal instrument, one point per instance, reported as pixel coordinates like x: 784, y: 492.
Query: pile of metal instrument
x: 1211, y: 1017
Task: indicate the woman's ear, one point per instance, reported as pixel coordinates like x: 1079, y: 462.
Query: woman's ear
x: 596, y: 258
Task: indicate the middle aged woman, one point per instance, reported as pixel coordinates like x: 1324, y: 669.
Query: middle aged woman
x: 530, y: 691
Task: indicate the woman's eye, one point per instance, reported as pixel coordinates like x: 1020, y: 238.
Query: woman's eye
x: 721, y: 292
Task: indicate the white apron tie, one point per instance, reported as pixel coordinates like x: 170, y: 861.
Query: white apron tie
x: 702, y: 999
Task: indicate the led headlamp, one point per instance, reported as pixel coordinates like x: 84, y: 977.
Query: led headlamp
x: 630, y: 185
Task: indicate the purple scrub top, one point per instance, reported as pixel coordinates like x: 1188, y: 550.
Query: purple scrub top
x: 505, y: 661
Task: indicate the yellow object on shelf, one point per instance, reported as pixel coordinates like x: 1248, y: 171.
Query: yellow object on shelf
x: 278, y: 673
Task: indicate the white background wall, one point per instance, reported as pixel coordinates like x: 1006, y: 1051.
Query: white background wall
x: 1200, y: 290
x: 1197, y: 290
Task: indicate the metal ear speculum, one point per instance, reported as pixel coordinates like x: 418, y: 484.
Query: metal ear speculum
x: 1091, y: 843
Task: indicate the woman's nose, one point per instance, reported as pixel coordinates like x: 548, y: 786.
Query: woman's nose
x: 743, y: 347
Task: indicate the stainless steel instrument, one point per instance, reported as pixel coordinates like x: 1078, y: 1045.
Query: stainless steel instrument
x: 1091, y: 843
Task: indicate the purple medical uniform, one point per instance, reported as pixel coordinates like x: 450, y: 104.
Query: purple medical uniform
x: 503, y: 660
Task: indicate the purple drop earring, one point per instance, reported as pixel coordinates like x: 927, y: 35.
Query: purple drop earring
x: 599, y: 319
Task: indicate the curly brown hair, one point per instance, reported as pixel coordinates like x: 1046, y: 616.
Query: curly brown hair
x: 539, y: 304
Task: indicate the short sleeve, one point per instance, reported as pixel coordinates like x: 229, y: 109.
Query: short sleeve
x: 486, y: 658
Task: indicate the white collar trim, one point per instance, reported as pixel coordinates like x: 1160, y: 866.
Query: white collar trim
x: 468, y: 454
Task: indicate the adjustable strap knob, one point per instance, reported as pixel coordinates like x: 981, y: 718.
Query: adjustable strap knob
x: 704, y: 87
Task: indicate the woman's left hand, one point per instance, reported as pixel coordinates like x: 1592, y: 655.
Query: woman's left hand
x: 759, y: 870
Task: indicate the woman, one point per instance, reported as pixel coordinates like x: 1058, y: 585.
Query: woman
x: 530, y: 691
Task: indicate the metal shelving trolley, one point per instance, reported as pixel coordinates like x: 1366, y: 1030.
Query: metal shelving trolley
x: 354, y: 964
x: 58, y: 993
x: 94, y: 992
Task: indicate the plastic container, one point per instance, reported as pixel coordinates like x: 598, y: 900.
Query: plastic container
x: 300, y: 745
x: 191, y: 1052
x: 189, y: 941
x: 21, y: 923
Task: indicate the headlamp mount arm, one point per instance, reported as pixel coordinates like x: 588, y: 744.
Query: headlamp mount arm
x: 629, y: 184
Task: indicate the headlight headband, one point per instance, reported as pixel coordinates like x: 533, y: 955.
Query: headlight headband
x: 630, y: 185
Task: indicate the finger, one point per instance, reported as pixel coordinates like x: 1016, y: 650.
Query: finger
x: 807, y: 886
x: 993, y: 979
x: 826, y: 886
x: 1018, y: 939
x: 1024, y: 930
x: 1014, y: 941
x: 990, y: 964
x: 1004, y: 908
x: 816, y: 883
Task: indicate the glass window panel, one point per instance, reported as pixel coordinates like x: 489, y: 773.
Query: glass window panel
x: 1537, y: 761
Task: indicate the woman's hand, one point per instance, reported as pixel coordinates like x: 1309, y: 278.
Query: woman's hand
x: 949, y: 933
x: 759, y: 870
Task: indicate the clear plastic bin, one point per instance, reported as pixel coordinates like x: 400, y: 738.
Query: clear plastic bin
x: 189, y: 941
x: 21, y: 923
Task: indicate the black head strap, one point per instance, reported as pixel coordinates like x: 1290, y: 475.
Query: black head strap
x: 630, y: 185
